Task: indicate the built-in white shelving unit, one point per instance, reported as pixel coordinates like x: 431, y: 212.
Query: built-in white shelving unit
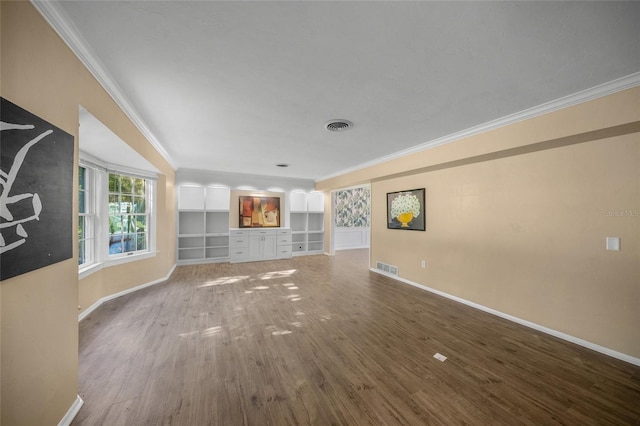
x: 204, y: 234
x: 203, y: 224
x: 306, y: 222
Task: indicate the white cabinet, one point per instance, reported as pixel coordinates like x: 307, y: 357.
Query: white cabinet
x: 297, y: 201
x: 283, y: 243
x: 249, y: 245
x: 217, y: 198
x: 190, y: 197
x: 238, y: 245
x: 262, y: 244
x: 315, y: 202
x: 307, y: 223
x: 203, y: 224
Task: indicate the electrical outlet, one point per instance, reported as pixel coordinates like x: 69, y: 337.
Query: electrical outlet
x: 424, y: 264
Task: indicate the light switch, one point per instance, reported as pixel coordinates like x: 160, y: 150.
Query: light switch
x: 613, y: 243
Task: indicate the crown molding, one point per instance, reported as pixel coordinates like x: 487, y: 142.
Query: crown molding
x: 599, y: 91
x: 71, y: 36
x: 62, y: 25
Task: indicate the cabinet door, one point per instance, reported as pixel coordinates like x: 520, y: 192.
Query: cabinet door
x: 217, y: 198
x: 190, y: 197
x: 297, y: 201
x: 255, y: 246
x: 262, y: 246
x: 269, y: 246
x: 315, y: 202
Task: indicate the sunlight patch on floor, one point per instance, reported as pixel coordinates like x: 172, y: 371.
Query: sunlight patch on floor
x: 225, y: 280
x: 276, y: 274
x: 207, y: 332
x: 292, y: 297
x: 275, y: 331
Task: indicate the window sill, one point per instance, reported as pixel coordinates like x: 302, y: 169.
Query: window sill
x: 85, y: 271
x: 114, y: 261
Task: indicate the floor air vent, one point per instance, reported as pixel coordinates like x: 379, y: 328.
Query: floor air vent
x: 390, y: 269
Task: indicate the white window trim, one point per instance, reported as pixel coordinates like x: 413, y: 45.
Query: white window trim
x: 101, y: 257
x: 87, y: 270
x: 150, y: 192
x: 93, y: 177
x: 89, y: 213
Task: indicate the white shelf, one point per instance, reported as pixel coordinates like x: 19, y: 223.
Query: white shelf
x: 317, y: 246
x: 191, y: 254
x: 203, y: 224
x: 217, y: 252
x: 307, y: 222
x: 190, y: 222
x: 298, y: 221
x: 217, y: 241
x: 315, y: 222
x: 190, y: 242
x: 217, y: 222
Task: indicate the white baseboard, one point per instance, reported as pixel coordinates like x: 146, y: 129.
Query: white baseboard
x: 93, y: 307
x: 589, y: 345
x: 365, y: 246
x: 72, y: 412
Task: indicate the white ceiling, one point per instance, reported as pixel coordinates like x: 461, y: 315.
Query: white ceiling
x: 242, y: 86
x: 103, y: 145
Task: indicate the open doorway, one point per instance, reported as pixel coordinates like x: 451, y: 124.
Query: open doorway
x: 351, y: 220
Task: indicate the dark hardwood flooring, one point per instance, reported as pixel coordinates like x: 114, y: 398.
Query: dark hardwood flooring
x: 324, y: 341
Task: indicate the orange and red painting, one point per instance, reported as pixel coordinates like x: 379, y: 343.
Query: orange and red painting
x: 259, y: 212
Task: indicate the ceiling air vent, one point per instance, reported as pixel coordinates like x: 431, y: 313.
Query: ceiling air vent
x: 338, y: 125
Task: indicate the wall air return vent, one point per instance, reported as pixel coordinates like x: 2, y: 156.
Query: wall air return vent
x: 389, y: 269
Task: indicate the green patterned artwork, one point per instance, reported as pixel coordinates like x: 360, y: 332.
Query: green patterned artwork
x: 353, y: 208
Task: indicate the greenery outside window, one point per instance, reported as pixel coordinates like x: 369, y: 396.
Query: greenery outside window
x: 129, y: 216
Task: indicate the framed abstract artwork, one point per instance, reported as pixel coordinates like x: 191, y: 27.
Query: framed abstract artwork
x: 36, y: 192
x: 259, y: 212
x: 406, y: 210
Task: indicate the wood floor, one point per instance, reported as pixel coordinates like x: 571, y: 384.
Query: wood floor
x: 324, y: 341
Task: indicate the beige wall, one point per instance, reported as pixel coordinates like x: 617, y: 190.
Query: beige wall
x: 517, y: 219
x: 39, y: 310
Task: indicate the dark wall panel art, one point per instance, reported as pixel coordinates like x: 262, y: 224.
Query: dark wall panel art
x: 36, y: 184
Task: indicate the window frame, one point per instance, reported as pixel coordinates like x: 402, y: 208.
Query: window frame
x: 129, y: 215
x: 100, y: 199
x: 87, y: 217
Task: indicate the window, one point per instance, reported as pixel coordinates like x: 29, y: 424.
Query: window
x: 129, y: 215
x: 116, y: 222
x: 86, y: 219
x: 117, y: 195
